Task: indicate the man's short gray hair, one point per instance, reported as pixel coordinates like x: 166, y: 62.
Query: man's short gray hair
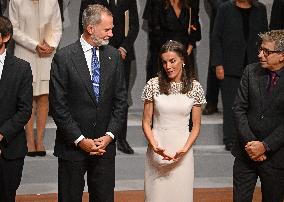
x: 92, y: 15
x: 276, y: 36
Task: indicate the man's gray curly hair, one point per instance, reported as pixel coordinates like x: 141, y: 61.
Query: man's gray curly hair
x: 276, y: 36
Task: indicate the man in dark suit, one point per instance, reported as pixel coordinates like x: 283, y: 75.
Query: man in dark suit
x: 212, y: 90
x: 277, y: 15
x: 234, y: 45
x: 259, y: 114
x: 16, y: 108
x: 88, y: 102
x: 125, y: 31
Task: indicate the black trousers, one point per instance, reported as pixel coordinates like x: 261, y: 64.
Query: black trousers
x: 245, y: 175
x: 229, y: 88
x: 152, y: 61
x: 127, y: 72
x: 10, y: 178
x: 100, y: 179
x: 213, y: 84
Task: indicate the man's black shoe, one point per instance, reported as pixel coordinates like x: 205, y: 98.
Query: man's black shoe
x: 123, y: 146
x: 229, y: 146
x: 209, y: 109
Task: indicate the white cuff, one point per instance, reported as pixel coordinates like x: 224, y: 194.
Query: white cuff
x: 110, y: 134
x: 79, y: 139
x: 123, y: 49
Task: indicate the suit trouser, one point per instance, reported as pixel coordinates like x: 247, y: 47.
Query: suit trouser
x: 246, y: 172
x: 229, y: 88
x: 212, y: 89
x: 213, y: 84
x: 152, y: 61
x: 127, y: 72
x: 100, y: 179
x: 10, y: 178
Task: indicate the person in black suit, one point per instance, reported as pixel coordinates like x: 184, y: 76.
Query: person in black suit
x: 88, y: 102
x: 125, y: 31
x: 213, y: 84
x: 233, y: 46
x: 259, y: 115
x: 16, y: 108
x: 277, y: 15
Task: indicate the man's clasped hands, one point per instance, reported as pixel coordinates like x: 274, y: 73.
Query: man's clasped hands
x: 95, y: 146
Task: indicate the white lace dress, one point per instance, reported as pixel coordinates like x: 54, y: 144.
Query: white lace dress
x: 167, y: 181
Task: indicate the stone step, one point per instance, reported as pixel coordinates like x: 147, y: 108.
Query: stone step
x: 210, y: 133
x: 213, y: 168
x: 123, y: 185
x: 210, y: 161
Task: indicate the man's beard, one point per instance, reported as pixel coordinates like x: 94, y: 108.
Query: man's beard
x: 99, y: 42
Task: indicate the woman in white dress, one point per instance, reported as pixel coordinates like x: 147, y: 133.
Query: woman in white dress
x: 168, y: 101
x: 37, y: 31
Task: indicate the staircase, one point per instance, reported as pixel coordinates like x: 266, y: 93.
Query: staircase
x: 213, y: 165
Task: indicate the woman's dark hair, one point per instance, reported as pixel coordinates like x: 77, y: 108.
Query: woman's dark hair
x: 188, y: 73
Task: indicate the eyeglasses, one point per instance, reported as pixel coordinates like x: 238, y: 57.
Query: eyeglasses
x: 267, y: 52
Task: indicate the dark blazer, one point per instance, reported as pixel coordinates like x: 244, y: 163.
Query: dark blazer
x: 277, y: 15
x: 228, y: 44
x: 15, y: 106
x: 119, y: 39
x: 214, y: 4
x: 260, y: 114
x: 73, y: 104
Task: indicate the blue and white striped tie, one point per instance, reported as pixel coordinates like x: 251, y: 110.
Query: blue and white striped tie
x: 95, y: 74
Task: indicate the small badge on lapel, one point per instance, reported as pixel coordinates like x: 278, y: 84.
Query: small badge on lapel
x: 109, y: 58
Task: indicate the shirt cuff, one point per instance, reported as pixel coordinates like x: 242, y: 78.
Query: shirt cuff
x: 79, y: 139
x: 123, y: 49
x: 110, y: 134
x: 266, y: 146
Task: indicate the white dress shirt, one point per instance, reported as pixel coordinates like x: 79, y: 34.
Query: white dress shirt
x: 2, y: 59
x: 87, y: 49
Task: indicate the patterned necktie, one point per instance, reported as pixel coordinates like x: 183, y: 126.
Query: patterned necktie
x: 273, y: 80
x: 95, y: 74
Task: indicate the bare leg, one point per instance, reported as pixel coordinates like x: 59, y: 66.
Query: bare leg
x: 30, y: 130
x: 42, y: 112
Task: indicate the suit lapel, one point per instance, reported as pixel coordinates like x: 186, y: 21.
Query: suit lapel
x: 105, y: 64
x: 267, y: 98
x: 279, y: 87
x: 263, y: 81
x: 81, y: 66
x: 6, y: 72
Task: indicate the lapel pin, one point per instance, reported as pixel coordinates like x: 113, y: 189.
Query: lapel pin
x: 109, y: 58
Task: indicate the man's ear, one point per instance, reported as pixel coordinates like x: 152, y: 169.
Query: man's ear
x: 5, y: 39
x: 90, y: 29
x: 282, y: 57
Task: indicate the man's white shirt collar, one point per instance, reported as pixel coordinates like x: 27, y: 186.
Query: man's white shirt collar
x: 85, y: 45
x: 2, y: 60
x: 2, y: 57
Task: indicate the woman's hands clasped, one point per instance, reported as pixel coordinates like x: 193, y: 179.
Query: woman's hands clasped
x: 179, y: 154
x: 44, y: 49
x: 162, y: 152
